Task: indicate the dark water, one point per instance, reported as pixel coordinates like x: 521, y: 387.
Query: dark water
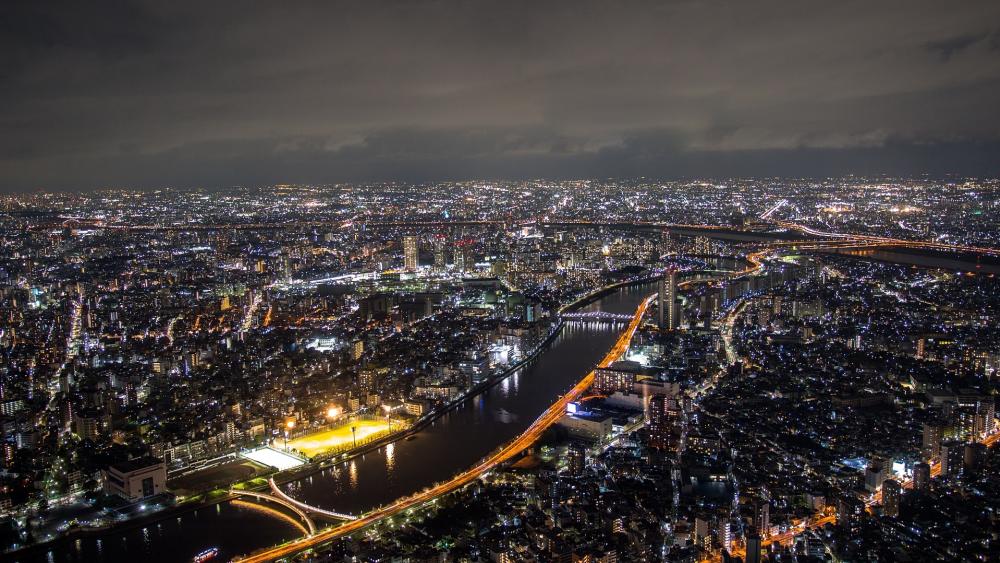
x: 234, y: 529
x: 452, y: 443
x: 956, y: 262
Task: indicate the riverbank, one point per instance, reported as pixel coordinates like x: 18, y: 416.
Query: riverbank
x: 536, y: 367
x: 508, y: 450
x: 422, y: 423
x: 494, y: 380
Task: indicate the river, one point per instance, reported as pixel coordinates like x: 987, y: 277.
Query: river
x: 452, y: 443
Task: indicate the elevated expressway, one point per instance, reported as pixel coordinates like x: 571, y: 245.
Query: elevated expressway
x: 504, y: 454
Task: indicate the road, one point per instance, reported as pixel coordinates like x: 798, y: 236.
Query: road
x: 512, y: 449
x: 876, y: 241
x: 542, y: 423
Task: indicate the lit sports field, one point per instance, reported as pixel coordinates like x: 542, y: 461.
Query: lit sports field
x: 333, y: 438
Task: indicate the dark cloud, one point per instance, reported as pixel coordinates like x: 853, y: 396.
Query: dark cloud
x: 160, y: 93
x: 952, y: 46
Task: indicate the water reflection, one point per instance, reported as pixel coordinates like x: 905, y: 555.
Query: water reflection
x: 390, y: 457
x: 452, y: 443
x: 463, y: 436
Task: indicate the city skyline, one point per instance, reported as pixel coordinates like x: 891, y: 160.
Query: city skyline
x: 560, y: 281
x: 613, y: 370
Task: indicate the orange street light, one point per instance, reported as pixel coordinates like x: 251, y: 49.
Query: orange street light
x: 289, y: 424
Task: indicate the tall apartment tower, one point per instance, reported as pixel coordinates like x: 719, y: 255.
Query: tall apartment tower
x: 933, y: 434
x: 762, y: 517
x: 668, y: 315
x: 410, y: 252
x: 891, y: 492
x: 673, y: 307
x: 440, y: 252
x: 661, y: 299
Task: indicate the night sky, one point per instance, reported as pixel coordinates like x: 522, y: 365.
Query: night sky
x: 102, y: 94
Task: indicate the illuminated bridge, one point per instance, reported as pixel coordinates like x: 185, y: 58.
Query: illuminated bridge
x: 504, y: 454
x: 276, y: 500
x: 277, y: 493
x: 596, y: 316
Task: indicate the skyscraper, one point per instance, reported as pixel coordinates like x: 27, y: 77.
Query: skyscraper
x: 762, y: 517
x: 933, y: 432
x: 410, y: 252
x: 891, y: 493
x: 668, y: 310
x: 440, y: 252
x: 661, y: 299
x: 666, y: 422
x: 673, y: 307
x: 463, y: 255
x: 921, y: 476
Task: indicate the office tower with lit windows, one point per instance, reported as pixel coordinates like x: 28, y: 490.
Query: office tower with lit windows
x: 666, y: 422
x: 921, y: 476
x: 618, y: 377
x: 891, y: 494
x: 661, y: 299
x: 576, y: 459
x: 952, y: 457
x: 463, y: 255
x: 673, y: 306
x: 762, y: 517
x: 668, y: 308
x: 410, y: 252
x: 440, y: 252
x: 933, y: 433
x: 850, y: 512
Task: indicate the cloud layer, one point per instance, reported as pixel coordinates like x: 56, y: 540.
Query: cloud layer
x: 162, y: 93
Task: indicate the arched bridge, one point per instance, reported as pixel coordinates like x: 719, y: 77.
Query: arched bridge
x: 278, y: 493
x: 277, y: 500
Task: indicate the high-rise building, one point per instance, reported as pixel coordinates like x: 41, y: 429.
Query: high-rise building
x: 952, y: 457
x: 723, y: 530
x: 576, y: 459
x: 666, y: 422
x: 661, y: 299
x: 410, y: 252
x: 463, y: 255
x: 875, y: 474
x: 673, y: 307
x: 921, y: 476
x: 369, y: 378
x: 933, y: 433
x: 972, y: 459
x: 617, y: 377
x: 850, y: 512
x: 762, y: 517
x: 440, y: 252
x: 753, y: 546
x: 668, y: 309
x: 891, y: 494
